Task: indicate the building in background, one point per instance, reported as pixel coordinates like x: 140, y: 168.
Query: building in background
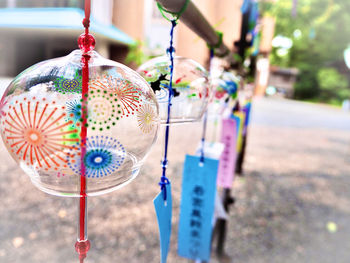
x: 283, y: 80
x: 36, y: 30
x: 142, y: 20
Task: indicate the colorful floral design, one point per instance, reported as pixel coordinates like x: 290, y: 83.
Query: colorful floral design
x: 64, y: 85
x: 74, y: 112
x: 128, y: 97
x: 3, y: 103
x: 104, y: 155
x: 37, y: 133
x: 104, y: 110
x: 146, y: 118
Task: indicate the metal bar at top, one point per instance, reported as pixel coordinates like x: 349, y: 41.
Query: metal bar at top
x: 194, y: 19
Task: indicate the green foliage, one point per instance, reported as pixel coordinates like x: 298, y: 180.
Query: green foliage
x: 332, y: 84
x: 320, y: 33
x: 136, y: 54
x: 329, y: 79
x: 306, y: 86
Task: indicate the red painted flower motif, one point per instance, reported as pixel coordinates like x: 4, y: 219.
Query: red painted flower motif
x: 128, y: 97
x: 3, y: 103
x: 37, y: 133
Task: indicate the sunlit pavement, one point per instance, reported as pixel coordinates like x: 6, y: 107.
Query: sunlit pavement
x: 293, y: 203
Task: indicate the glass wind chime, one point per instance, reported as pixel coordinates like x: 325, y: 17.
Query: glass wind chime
x: 79, y: 125
x: 190, y: 87
x: 181, y: 86
x: 187, y: 79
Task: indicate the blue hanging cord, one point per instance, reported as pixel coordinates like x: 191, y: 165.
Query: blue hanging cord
x: 164, y: 180
x: 205, y: 118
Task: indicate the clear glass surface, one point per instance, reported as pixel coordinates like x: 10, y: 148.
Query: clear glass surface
x: 41, y: 118
x: 190, y: 84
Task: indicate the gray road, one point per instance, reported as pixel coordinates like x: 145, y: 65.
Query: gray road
x: 296, y: 182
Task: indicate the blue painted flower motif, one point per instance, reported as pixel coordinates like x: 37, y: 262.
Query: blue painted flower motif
x: 74, y: 112
x: 98, y: 159
x: 104, y: 156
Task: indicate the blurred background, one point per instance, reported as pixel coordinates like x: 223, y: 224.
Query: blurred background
x: 293, y: 203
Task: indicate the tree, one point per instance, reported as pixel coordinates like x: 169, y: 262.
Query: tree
x: 320, y: 33
x: 332, y: 84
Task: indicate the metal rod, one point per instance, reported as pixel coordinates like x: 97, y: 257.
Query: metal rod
x: 195, y: 20
x: 240, y: 158
x: 221, y: 224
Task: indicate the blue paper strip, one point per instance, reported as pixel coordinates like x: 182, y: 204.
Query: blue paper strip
x: 246, y: 109
x: 164, y: 214
x: 197, y: 208
x: 245, y: 6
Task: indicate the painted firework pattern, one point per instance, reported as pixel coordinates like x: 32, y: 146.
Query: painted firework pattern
x: 146, y: 118
x: 125, y: 93
x: 64, y: 85
x: 3, y: 103
x: 73, y: 108
x: 43, y: 134
x: 104, y: 155
x: 104, y: 110
x: 36, y: 132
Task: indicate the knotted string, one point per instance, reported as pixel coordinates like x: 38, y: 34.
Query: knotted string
x: 86, y: 20
x: 164, y: 180
x: 205, y: 118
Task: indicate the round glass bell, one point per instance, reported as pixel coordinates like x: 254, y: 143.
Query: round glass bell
x: 190, y: 86
x: 219, y: 98
x: 232, y: 83
x: 219, y: 89
x: 41, y: 116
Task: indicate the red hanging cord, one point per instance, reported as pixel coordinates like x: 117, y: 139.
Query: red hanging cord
x: 86, y: 43
x: 86, y: 21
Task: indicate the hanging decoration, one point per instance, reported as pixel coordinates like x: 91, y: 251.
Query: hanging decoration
x: 245, y: 6
x: 79, y: 125
x: 205, y: 119
x: 190, y: 87
x: 197, y: 201
x: 232, y: 83
x: 227, y: 162
x: 163, y: 201
x: 188, y: 80
x: 245, y: 110
x: 181, y: 87
x: 224, y: 88
x: 253, y: 17
x: 197, y: 208
x: 42, y: 126
x: 219, y: 88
